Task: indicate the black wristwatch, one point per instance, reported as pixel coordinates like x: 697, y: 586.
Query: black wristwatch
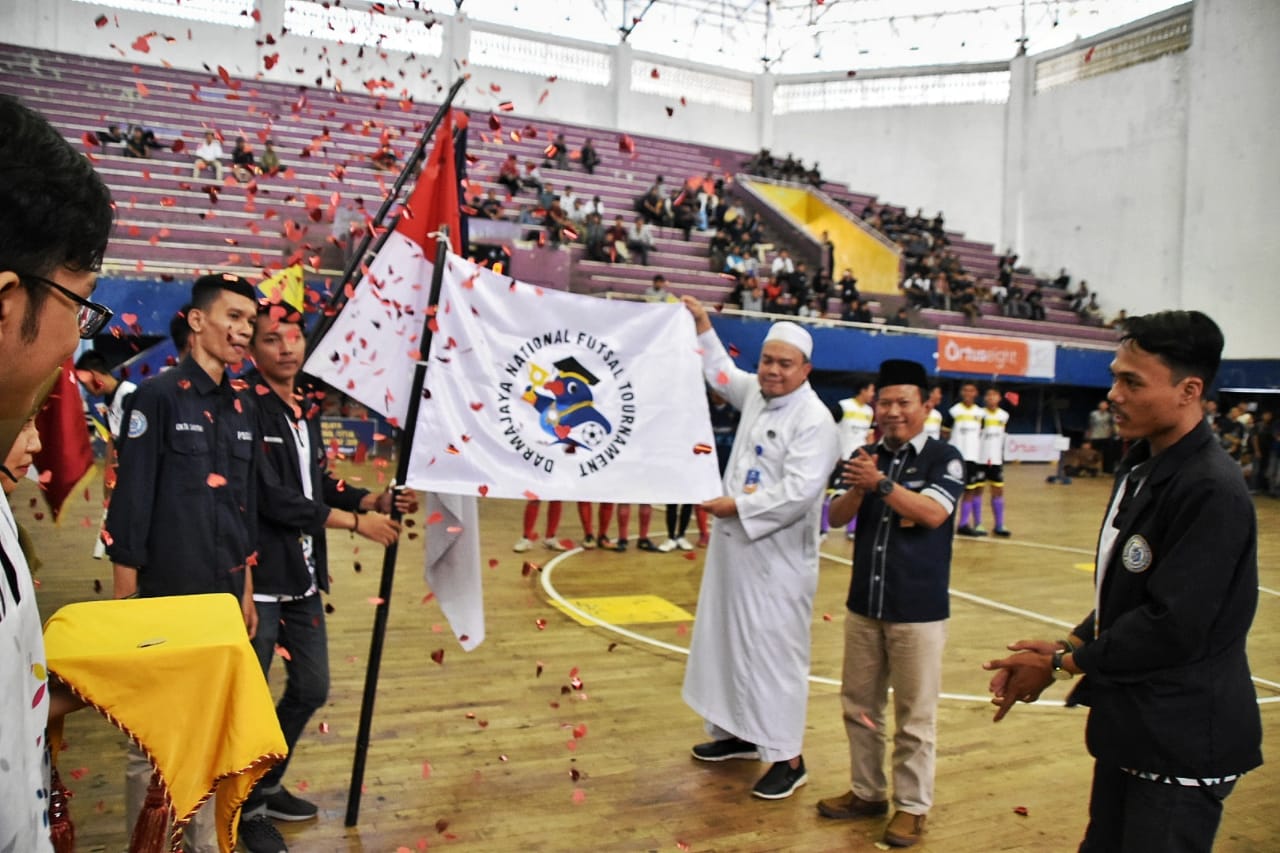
x: 1058, y: 672
x: 884, y: 487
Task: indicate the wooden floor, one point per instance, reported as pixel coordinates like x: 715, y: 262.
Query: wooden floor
x: 494, y: 750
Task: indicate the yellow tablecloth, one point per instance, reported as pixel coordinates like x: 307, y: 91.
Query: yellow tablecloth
x: 178, y: 675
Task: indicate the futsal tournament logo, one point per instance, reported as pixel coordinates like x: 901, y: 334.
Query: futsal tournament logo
x: 565, y: 399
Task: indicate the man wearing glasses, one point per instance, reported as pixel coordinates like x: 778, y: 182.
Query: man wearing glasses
x: 55, y: 218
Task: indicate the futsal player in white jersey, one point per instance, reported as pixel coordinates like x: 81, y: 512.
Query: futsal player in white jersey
x: 991, y: 446
x: 966, y: 429
x: 857, y: 417
x: 933, y: 420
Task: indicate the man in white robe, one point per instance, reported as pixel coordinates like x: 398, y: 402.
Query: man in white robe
x: 749, y: 661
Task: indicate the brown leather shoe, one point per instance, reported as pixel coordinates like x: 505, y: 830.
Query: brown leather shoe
x: 850, y: 806
x: 905, y: 830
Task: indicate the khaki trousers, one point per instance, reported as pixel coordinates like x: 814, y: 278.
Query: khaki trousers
x: 906, y: 656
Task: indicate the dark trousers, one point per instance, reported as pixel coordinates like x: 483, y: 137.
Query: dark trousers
x: 684, y: 511
x: 1132, y: 815
x: 298, y: 628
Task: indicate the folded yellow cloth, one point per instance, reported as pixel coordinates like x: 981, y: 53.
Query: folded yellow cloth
x: 179, y: 676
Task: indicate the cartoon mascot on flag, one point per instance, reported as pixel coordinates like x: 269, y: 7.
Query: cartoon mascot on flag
x: 566, y: 407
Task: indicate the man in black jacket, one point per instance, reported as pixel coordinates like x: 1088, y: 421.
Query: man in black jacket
x: 1173, y: 719
x: 298, y: 498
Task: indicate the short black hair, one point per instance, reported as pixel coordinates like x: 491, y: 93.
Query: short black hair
x: 55, y: 211
x: 179, y: 330
x: 94, y: 361
x: 207, y: 287
x: 1188, y: 342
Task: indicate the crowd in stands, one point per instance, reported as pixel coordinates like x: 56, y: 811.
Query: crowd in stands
x: 139, y: 142
x: 765, y: 165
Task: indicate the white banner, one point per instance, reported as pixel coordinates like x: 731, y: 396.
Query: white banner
x: 539, y: 393
x: 1038, y: 447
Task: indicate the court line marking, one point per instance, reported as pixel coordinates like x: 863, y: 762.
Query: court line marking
x: 555, y: 595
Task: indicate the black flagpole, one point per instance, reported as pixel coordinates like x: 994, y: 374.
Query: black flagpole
x: 389, y: 558
x: 354, y: 270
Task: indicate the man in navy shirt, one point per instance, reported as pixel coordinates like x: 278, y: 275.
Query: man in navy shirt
x: 904, y: 492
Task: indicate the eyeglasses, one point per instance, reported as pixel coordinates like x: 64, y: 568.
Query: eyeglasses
x: 89, y: 315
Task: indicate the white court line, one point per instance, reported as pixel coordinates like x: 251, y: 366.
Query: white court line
x: 555, y: 596
x: 1269, y: 591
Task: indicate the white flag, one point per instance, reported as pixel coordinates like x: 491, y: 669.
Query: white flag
x: 538, y: 393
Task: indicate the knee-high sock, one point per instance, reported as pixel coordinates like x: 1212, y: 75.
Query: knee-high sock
x: 966, y: 509
x: 977, y: 510
x: 997, y: 509
x: 584, y: 517
x: 554, y: 509
x: 826, y: 513
x: 852, y: 525
x: 624, y: 520
x: 646, y: 518
x: 605, y: 516
x: 704, y: 525
x: 531, y: 520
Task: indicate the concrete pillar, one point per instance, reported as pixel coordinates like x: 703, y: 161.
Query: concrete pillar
x: 1022, y: 73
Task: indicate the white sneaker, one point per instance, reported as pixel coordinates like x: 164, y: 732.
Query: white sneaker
x: 668, y: 546
x: 554, y: 545
x: 521, y: 546
x: 684, y: 544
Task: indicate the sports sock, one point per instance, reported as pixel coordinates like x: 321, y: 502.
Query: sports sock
x: 553, y: 518
x: 997, y: 509
x: 646, y: 517
x: 977, y: 510
x: 686, y: 510
x: 584, y: 518
x: 624, y: 520
x: 704, y: 525
x: 672, y: 511
x: 531, y: 520
x: 605, y: 516
x: 966, y: 510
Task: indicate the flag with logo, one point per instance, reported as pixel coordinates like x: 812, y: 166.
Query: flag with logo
x: 536, y: 393
x: 285, y: 287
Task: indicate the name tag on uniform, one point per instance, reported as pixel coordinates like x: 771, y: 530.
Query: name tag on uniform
x: 273, y: 439
x: 244, y: 435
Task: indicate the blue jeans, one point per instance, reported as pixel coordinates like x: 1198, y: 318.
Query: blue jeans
x: 297, y: 627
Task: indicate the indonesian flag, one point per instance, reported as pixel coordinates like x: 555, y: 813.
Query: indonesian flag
x: 534, y: 393
x: 66, y: 455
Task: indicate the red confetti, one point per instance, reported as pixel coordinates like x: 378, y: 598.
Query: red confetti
x: 435, y: 518
x: 541, y: 623
x: 579, y: 796
x: 426, y: 770
x: 215, y: 481
x: 100, y: 21
x: 702, y: 449
x: 1012, y: 396
x: 484, y: 490
x: 1020, y: 810
x: 654, y: 74
x: 506, y: 106
x: 324, y: 728
x: 626, y: 144
x: 734, y: 352
x: 689, y: 555
x: 438, y: 656
x: 826, y: 617
x: 529, y: 568
x: 722, y: 378
x: 283, y: 652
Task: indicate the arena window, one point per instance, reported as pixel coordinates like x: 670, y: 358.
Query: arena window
x: 364, y: 26
x: 526, y: 56
x: 694, y: 86
x: 231, y: 13
x: 983, y: 87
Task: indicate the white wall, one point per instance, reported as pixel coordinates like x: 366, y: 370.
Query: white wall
x: 1230, y: 252
x: 1103, y: 180
x: 947, y: 157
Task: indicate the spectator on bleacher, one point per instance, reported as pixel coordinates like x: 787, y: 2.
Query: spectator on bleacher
x: 113, y: 135
x: 1063, y: 281
x: 918, y: 289
x: 593, y: 237
x: 596, y: 206
x: 557, y: 153
x: 555, y: 222
x: 651, y: 206
x: 811, y: 309
x: 615, y: 241
x: 1262, y: 447
x: 719, y: 247
x: 799, y: 283
x: 1079, y: 297
x: 828, y: 264
x: 136, y: 145
x: 1017, y: 305
x: 588, y: 157
x: 857, y: 312
x: 491, y: 207
x: 773, y: 290
x: 782, y: 266
x: 752, y: 298
x: 847, y: 287
x: 208, y: 156
x: 242, y: 164
x: 546, y: 195
x: 1118, y: 321
x: 1091, y: 313
x: 999, y: 294
x: 821, y: 288
x: 270, y: 159
x: 683, y: 215
x: 640, y: 240
x: 1035, y: 303
x: 964, y: 299
x: 657, y: 290
x: 899, y: 318
x: 533, y: 178
x: 578, y: 214
x: 509, y: 175
x: 567, y: 199
x: 348, y: 223
x: 385, y: 158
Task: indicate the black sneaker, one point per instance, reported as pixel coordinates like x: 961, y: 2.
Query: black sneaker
x: 781, y: 781
x: 285, y: 806
x: 965, y: 530
x: 1002, y: 532
x: 646, y: 545
x: 259, y: 835
x: 620, y: 545
x: 723, y: 750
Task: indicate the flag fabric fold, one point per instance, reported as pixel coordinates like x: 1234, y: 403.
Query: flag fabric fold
x: 453, y: 565
x: 66, y: 455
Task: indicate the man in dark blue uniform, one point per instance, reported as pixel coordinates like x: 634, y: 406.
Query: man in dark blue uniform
x: 184, y: 512
x: 1173, y: 719
x: 904, y: 491
x: 298, y: 499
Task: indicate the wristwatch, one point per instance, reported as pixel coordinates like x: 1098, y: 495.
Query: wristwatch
x: 884, y: 487
x: 1058, y: 672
